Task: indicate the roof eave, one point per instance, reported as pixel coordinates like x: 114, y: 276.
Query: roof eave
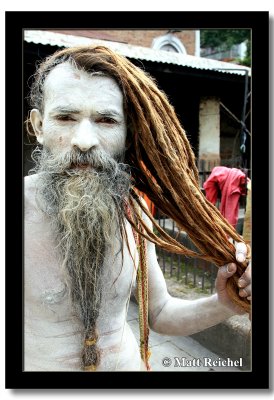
x: 136, y: 52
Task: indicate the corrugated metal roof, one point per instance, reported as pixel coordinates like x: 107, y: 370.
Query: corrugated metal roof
x: 136, y: 52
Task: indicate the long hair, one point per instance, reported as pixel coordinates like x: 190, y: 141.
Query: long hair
x: 161, y: 159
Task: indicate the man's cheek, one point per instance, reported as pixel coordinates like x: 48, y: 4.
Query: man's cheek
x: 116, y: 144
x: 54, y: 136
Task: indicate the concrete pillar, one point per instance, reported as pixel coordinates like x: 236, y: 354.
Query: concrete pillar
x: 209, y: 130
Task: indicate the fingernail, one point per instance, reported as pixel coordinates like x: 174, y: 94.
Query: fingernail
x: 229, y: 268
x: 241, y: 283
x: 240, y: 257
x: 243, y: 293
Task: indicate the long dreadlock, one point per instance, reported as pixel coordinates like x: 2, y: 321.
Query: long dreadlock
x: 161, y: 160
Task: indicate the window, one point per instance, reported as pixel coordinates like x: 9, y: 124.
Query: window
x: 168, y: 42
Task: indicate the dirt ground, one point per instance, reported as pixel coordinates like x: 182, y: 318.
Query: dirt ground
x: 179, y: 289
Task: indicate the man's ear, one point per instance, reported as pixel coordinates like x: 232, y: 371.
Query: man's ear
x: 36, y: 122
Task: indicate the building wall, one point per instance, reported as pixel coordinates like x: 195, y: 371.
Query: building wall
x: 135, y: 37
x: 209, y: 129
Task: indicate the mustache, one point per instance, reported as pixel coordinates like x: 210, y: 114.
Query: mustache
x: 92, y: 158
x: 96, y: 159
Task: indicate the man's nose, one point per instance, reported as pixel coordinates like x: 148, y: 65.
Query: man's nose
x: 85, y: 136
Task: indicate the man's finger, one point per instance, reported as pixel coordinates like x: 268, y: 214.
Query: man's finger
x: 228, y: 270
x: 245, y: 292
x: 225, y: 272
x: 245, y: 279
x: 241, y: 251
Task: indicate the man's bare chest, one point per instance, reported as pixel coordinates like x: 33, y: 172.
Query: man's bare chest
x: 46, y: 284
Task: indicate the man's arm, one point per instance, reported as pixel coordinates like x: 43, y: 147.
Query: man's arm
x: 173, y: 316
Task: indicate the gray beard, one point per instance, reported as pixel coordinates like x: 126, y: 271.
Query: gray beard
x: 86, y: 209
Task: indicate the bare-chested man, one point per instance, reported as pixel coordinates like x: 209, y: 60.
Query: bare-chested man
x: 79, y: 269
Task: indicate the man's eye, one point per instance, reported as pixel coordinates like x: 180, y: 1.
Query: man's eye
x: 64, y: 117
x: 105, y: 120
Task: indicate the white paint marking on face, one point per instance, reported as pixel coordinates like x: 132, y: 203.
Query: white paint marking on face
x: 83, y: 110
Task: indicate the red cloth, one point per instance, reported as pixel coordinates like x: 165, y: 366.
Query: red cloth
x: 231, y: 182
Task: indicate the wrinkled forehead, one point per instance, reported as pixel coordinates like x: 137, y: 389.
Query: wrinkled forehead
x: 66, y: 74
x: 68, y: 71
x: 65, y: 77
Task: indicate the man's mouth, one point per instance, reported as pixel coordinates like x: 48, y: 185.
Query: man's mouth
x: 81, y: 166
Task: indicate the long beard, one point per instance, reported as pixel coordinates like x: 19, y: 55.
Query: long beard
x: 86, y: 208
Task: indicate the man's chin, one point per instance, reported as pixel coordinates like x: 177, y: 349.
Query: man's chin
x: 86, y: 169
x: 81, y: 167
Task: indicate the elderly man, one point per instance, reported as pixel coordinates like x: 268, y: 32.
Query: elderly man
x: 89, y: 241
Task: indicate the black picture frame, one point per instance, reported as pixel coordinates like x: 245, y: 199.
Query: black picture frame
x: 16, y: 378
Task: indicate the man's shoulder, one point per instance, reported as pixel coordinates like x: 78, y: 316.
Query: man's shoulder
x: 30, y: 184
x: 30, y: 181
x: 144, y: 215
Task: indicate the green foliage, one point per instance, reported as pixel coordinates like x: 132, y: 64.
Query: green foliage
x: 247, y: 60
x: 224, y: 39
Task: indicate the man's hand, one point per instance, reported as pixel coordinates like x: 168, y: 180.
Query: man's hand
x: 244, y: 282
